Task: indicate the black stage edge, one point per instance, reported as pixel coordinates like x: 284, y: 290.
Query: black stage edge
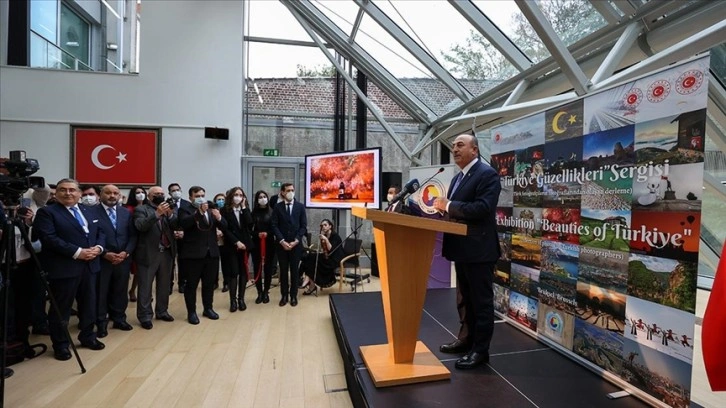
x: 522, y: 372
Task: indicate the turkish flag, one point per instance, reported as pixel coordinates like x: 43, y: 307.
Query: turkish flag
x: 714, y: 329
x: 115, y: 156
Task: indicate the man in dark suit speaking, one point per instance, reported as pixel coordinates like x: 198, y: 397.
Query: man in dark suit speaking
x: 72, y: 248
x: 472, y: 199
x: 289, y: 223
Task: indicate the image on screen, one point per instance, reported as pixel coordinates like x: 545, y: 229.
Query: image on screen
x: 343, y: 179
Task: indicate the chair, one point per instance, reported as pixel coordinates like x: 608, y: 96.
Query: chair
x: 351, y: 249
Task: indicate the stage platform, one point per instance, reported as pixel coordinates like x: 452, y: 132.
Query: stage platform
x: 522, y: 372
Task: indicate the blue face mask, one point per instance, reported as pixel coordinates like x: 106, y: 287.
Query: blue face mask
x: 220, y: 203
x: 199, y: 201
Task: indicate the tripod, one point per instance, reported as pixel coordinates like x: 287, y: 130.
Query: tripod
x: 7, y: 252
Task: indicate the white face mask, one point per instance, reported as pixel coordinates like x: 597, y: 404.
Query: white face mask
x: 176, y: 195
x: 262, y: 201
x: 389, y: 197
x: 290, y: 195
x: 140, y: 197
x: 89, y: 200
x: 199, y: 201
x: 236, y: 199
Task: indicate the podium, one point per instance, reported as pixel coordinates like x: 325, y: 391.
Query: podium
x: 405, y: 247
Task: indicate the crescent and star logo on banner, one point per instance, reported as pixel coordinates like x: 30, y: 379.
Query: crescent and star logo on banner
x: 121, y: 157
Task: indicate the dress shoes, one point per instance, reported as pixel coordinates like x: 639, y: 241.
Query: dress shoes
x: 102, y: 330
x: 232, y: 305
x: 455, y: 347
x: 266, y: 298
x: 283, y: 301
x: 122, y: 325
x: 165, y: 317
x: 147, y: 325
x: 225, y: 288
x: 210, y: 313
x: 193, y: 318
x: 62, y: 354
x: 259, y: 299
x: 293, y: 302
x: 94, y: 345
x: 472, y: 360
x: 241, y: 306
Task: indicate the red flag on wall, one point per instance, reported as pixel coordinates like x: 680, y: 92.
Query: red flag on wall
x: 713, y: 337
x: 117, y: 156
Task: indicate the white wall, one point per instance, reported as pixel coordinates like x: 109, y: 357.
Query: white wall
x: 191, y: 77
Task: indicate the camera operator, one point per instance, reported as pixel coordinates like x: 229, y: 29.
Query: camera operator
x: 72, y: 247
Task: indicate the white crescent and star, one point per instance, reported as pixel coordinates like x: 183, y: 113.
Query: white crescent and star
x: 98, y: 149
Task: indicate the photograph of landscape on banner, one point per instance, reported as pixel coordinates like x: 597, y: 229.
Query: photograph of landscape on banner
x: 599, y: 223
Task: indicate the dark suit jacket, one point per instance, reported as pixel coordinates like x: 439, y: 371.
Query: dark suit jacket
x: 199, y: 239
x: 238, y: 231
x: 124, y: 236
x: 61, y: 236
x: 147, y: 225
x: 289, y: 227
x: 474, y: 203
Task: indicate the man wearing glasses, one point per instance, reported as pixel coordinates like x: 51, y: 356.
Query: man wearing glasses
x: 71, y: 254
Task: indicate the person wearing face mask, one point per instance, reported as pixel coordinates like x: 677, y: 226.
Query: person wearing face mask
x: 219, y: 204
x: 263, y: 252
x: 237, y: 245
x: 155, y: 222
x: 289, y: 223
x: 90, y: 195
x: 392, y: 191
x: 137, y: 197
x: 175, y: 192
x: 37, y: 199
x: 200, y: 252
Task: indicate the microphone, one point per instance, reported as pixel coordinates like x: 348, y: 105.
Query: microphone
x: 410, y: 188
x: 441, y: 170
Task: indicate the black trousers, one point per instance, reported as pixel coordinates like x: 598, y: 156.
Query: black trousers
x: 204, y: 269
x: 113, y: 299
x: 475, y: 280
x: 20, y: 292
x: 263, y: 277
x: 289, y: 264
x: 83, y: 289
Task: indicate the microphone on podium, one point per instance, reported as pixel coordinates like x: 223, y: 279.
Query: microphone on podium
x: 441, y: 170
x: 410, y: 188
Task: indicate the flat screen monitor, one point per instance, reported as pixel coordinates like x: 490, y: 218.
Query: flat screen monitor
x: 343, y: 179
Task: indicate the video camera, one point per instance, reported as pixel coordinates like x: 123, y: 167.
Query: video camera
x: 15, y: 177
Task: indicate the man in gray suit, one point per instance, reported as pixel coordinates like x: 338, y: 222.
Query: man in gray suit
x: 154, y: 256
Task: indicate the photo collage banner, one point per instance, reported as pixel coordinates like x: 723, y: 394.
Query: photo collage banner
x: 599, y: 223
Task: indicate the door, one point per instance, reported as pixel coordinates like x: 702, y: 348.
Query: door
x: 263, y: 173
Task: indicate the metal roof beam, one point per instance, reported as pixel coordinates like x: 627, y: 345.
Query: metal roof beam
x: 686, y: 48
x: 619, y: 50
x: 375, y: 111
x: 554, y: 45
x: 492, y: 33
x: 415, y: 49
x: 607, y: 11
x: 389, y: 84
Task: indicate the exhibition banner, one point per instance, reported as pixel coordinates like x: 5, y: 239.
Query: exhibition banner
x: 599, y: 222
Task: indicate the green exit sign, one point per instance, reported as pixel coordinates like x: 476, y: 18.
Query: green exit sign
x: 276, y: 184
x: 270, y: 153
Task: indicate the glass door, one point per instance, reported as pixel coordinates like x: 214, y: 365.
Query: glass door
x: 263, y: 173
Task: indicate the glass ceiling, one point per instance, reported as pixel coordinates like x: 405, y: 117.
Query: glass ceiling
x: 449, y: 58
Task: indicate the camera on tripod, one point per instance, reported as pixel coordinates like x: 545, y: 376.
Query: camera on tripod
x: 15, y: 177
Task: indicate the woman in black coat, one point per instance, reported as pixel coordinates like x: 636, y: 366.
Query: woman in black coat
x: 262, y: 236
x: 237, y: 245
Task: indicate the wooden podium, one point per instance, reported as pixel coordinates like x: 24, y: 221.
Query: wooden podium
x: 405, y: 246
